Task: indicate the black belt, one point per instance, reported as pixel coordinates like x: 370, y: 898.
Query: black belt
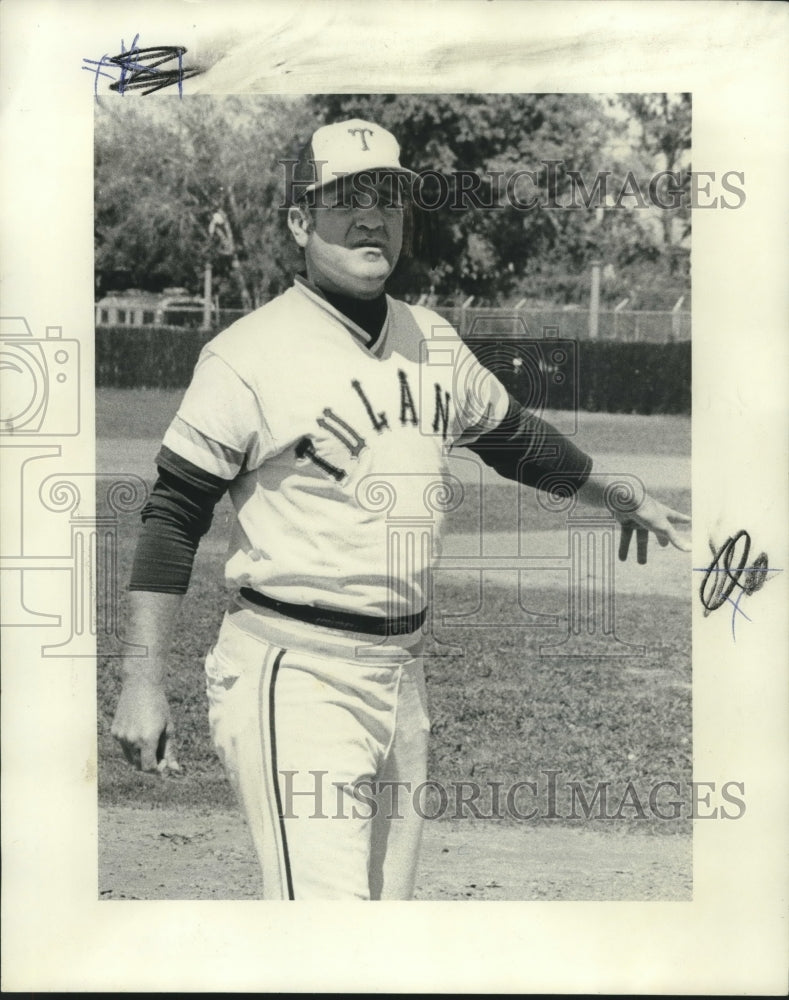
x: 331, y: 618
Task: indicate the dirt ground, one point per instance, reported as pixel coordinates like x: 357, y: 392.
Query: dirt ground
x: 205, y: 854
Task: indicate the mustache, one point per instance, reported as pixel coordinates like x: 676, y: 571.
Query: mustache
x: 369, y: 241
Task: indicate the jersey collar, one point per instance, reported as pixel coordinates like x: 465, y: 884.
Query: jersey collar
x: 306, y: 287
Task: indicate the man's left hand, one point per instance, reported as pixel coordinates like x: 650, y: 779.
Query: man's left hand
x: 655, y: 517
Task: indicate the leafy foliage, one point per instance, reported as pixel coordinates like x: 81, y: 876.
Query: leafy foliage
x: 664, y: 140
x: 485, y: 250
x: 165, y: 169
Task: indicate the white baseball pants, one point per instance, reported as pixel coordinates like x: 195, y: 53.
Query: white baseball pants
x: 323, y: 734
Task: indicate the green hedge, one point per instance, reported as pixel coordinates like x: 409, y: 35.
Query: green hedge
x: 611, y: 377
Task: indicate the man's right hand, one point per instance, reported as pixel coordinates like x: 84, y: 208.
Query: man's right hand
x: 143, y: 725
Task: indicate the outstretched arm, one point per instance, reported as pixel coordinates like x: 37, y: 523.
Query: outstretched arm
x: 526, y: 448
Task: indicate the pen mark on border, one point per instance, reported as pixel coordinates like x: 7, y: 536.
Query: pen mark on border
x: 721, y: 578
x: 142, y: 68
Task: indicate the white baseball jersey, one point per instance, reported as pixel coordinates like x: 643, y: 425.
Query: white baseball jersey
x: 324, y: 432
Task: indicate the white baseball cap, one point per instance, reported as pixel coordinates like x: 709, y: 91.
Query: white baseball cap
x: 345, y: 148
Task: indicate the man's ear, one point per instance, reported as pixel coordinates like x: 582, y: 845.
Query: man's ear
x: 299, y: 224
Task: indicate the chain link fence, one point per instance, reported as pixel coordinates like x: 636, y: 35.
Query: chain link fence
x: 631, y: 326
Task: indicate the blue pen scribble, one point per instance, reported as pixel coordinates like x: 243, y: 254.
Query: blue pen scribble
x: 736, y: 605
x: 141, y: 68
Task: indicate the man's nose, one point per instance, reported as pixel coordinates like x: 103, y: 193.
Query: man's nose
x: 370, y: 217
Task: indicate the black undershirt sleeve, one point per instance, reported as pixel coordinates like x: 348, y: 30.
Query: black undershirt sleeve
x: 177, y: 514
x: 529, y: 450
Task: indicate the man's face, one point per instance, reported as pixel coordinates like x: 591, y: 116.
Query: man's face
x: 355, y: 236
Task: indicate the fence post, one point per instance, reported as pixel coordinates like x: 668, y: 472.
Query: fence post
x: 207, y: 280
x: 464, y: 315
x: 617, y: 310
x: 675, y: 318
x: 516, y: 318
x: 594, y: 301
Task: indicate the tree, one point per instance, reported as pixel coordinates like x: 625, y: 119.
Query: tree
x: 661, y: 146
x: 165, y: 169
x: 485, y: 242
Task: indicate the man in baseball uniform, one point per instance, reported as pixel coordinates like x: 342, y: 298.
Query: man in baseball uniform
x: 312, y: 412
